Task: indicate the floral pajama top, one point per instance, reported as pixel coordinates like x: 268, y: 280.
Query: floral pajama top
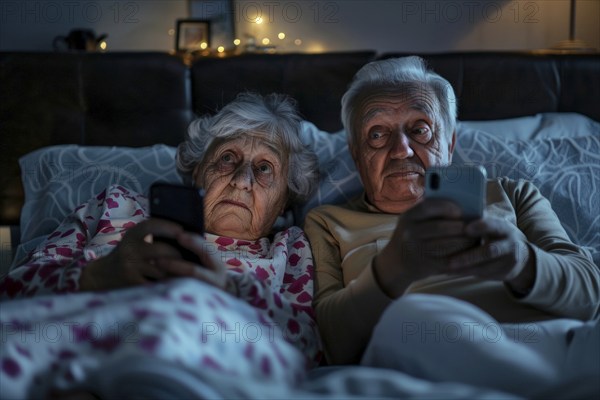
x: 264, y: 329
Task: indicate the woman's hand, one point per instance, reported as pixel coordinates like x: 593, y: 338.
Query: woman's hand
x: 133, y: 261
x: 212, y: 270
x: 137, y: 260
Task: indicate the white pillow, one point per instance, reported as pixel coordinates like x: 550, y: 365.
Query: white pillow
x: 539, y: 126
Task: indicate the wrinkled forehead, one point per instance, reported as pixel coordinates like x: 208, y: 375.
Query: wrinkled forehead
x: 258, y: 141
x: 375, y: 100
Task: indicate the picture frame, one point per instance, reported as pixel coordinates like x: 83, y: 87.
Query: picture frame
x: 221, y: 15
x: 192, y: 35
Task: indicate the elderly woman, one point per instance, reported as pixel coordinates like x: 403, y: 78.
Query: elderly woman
x: 247, y: 309
x: 516, y: 263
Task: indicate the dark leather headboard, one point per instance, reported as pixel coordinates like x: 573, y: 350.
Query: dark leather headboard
x: 138, y: 99
x: 125, y: 99
x: 316, y: 81
x: 507, y: 85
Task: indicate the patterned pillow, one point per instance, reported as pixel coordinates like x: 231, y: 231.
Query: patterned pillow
x: 57, y: 179
x: 566, y: 171
x: 339, y: 179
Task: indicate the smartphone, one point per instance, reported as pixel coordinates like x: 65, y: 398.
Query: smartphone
x: 181, y: 204
x: 465, y: 185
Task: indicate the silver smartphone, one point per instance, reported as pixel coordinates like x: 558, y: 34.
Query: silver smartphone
x: 465, y: 185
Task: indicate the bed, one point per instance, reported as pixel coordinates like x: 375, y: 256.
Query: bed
x: 74, y: 124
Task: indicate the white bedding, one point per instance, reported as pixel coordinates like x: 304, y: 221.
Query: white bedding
x: 150, y: 342
x: 147, y: 378
x: 60, y: 341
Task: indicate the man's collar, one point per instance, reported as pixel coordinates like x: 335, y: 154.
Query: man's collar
x: 364, y: 201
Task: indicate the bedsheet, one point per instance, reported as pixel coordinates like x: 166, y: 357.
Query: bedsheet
x: 182, y: 339
x: 150, y: 342
x: 147, y: 378
x: 57, y: 341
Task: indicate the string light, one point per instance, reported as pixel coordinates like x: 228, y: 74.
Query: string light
x: 237, y: 42
x: 266, y: 41
x: 281, y: 35
x: 203, y: 45
x: 220, y: 49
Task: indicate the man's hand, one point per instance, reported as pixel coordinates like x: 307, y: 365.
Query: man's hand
x: 431, y: 239
x: 503, y: 255
x: 425, y: 237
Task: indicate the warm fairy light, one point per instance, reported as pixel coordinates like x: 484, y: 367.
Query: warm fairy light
x: 258, y: 20
x: 237, y: 42
x: 220, y: 49
x: 266, y: 41
x: 281, y: 35
x: 171, y: 32
x: 297, y: 42
x: 103, y: 45
x: 203, y: 45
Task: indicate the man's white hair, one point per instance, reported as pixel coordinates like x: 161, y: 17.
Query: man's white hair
x: 404, y: 75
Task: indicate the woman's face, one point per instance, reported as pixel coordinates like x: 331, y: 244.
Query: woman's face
x: 245, y: 180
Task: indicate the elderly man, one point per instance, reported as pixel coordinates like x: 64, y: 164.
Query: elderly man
x: 516, y: 263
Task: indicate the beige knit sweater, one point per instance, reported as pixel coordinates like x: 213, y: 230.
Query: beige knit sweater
x: 349, y: 302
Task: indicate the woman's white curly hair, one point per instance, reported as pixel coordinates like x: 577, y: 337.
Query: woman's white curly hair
x: 273, y: 116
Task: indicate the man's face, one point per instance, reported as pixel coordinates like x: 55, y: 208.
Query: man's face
x: 400, y: 137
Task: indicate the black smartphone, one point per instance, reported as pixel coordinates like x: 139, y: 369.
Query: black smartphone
x: 181, y: 204
x: 464, y: 185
